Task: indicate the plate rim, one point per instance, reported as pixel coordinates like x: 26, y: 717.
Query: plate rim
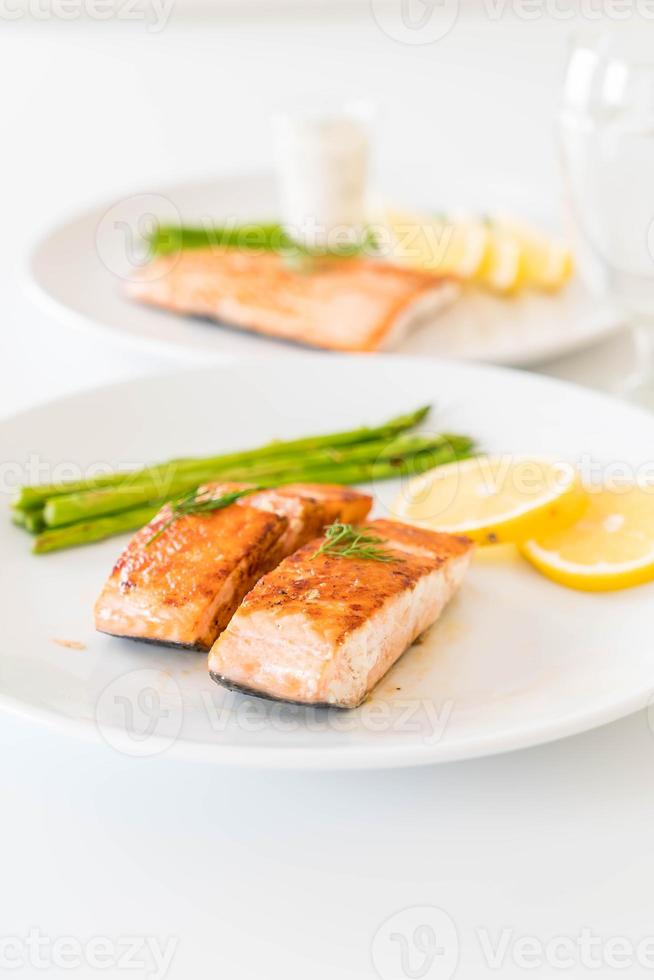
x: 333, y: 758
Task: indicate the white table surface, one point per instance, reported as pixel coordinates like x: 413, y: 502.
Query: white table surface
x: 267, y: 875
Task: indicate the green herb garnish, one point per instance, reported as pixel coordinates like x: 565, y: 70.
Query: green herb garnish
x: 197, y: 502
x: 345, y: 541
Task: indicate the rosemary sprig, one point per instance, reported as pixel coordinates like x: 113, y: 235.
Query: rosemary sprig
x: 346, y: 541
x: 196, y: 502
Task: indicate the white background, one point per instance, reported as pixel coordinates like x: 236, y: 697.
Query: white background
x: 273, y: 875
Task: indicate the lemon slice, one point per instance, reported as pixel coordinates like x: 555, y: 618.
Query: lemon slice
x: 611, y: 546
x: 546, y: 262
x: 453, y: 247
x: 501, y: 269
x: 494, y: 499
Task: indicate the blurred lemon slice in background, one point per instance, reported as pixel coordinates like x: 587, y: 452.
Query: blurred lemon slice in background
x: 494, y: 499
x: 610, y: 546
x: 502, y: 266
x: 497, y: 253
x: 455, y: 246
x: 546, y: 262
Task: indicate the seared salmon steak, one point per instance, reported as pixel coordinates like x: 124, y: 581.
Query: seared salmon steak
x: 323, y: 628
x: 181, y: 584
x: 309, y: 508
x: 347, y: 304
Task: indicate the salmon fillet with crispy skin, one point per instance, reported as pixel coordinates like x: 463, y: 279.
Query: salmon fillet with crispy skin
x: 323, y: 630
x: 183, y: 587
x: 351, y: 304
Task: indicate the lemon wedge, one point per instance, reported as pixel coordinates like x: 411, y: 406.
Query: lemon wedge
x: 546, y: 262
x: 494, y: 499
x: 501, y: 269
x: 498, y: 253
x: 453, y: 247
x: 611, y: 546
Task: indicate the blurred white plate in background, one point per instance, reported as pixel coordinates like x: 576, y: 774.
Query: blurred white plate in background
x: 77, y: 271
x: 515, y: 660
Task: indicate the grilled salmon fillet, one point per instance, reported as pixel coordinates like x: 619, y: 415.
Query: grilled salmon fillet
x: 309, y: 508
x: 322, y: 629
x: 183, y: 587
x: 352, y: 304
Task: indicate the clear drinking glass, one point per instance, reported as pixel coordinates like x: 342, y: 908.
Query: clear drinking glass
x: 607, y: 143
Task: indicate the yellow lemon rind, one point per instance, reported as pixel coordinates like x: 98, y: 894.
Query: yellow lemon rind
x: 582, y: 577
x: 556, y: 512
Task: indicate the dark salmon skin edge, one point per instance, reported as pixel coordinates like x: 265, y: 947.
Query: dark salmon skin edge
x: 251, y: 692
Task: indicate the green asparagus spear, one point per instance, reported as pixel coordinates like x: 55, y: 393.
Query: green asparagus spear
x: 383, y: 470
x: 33, y: 496
x: 34, y: 522
x: 170, y: 239
x: 69, y: 508
x: 85, y: 532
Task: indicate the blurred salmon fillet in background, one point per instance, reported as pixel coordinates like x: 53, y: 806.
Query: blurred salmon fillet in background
x: 346, y: 304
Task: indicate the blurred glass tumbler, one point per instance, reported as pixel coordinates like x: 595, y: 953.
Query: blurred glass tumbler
x: 323, y: 163
x: 607, y: 142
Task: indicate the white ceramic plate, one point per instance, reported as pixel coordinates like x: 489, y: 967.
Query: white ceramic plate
x: 515, y: 660
x: 78, y: 271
